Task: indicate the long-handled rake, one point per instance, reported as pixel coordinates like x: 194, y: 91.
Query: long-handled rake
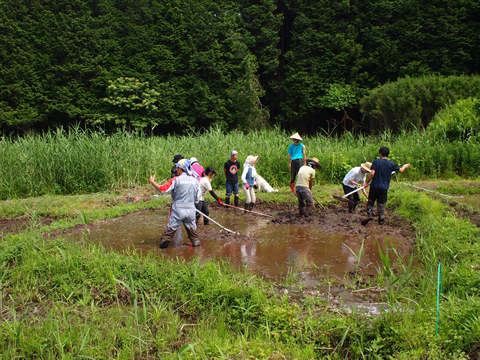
x: 344, y: 198
x: 209, y: 218
x: 319, y: 203
x: 253, y: 212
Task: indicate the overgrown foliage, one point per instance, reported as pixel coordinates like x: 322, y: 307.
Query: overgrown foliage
x: 411, y: 103
x: 201, y: 61
x: 236, y: 64
x: 459, y: 121
x: 77, y: 161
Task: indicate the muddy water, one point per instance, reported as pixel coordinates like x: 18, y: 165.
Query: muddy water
x: 266, y: 248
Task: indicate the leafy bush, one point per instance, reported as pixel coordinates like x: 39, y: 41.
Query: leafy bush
x: 413, y: 102
x: 458, y: 121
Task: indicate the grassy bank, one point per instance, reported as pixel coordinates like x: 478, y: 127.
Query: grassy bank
x: 66, y: 300
x: 76, y: 162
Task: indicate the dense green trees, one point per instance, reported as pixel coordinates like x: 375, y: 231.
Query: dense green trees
x: 233, y: 63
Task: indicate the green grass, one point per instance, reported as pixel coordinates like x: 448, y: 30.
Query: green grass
x: 76, y: 162
x: 65, y: 300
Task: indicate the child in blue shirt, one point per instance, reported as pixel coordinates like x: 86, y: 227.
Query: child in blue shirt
x: 381, y: 173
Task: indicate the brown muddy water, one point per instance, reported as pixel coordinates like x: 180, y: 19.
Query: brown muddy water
x: 281, y: 248
x: 299, y: 255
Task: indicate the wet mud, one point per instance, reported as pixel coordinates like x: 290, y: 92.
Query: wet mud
x: 324, y: 244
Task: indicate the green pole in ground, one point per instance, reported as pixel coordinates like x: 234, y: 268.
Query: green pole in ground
x: 439, y: 284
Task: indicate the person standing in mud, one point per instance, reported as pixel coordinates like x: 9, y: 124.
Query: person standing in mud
x: 184, y: 192
x: 381, y: 173
x: 303, y: 186
x: 231, y: 174
x: 296, y: 158
x: 248, y: 180
x: 352, y: 180
x: 199, y: 170
x: 204, y: 186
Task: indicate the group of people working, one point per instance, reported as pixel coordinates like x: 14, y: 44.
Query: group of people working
x: 190, y: 182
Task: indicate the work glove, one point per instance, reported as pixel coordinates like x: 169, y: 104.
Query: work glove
x: 255, y: 186
x: 246, y: 186
x: 220, y: 201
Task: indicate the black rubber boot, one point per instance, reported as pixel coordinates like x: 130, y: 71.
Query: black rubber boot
x: 247, y: 207
x: 251, y: 206
x: 167, y: 237
x: 381, y: 213
x: 370, y: 210
x: 227, y: 201
x: 164, y: 244
x: 236, y: 201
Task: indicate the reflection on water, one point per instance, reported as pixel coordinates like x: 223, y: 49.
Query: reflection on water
x: 274, y: 250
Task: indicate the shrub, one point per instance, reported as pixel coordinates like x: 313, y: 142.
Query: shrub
x: 458, y: 121
x: 413, y: 102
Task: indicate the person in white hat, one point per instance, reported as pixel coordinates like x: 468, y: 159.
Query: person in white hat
x: 296, y: 158
x: 304, y: 184
x: 352, y: 180
x: 248, y: 180
x: 198, y: 169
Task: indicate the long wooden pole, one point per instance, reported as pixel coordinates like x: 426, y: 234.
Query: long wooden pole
x: 253, y: 212
x: 223, y: 227
x: 319, y: 203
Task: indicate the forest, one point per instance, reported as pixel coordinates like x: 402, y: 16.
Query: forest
x: 169, y: 66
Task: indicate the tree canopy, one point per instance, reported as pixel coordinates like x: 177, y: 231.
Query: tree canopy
x: 237, y: 64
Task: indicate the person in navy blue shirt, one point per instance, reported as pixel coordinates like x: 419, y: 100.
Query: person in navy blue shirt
x: 381, y: 173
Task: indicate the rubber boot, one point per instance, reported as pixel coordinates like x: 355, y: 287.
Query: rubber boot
x: 292, y: 187
x: 251, y: 206
x: 227, y: 201
x: 192, y: 235
x: 301, y: 209
x: 167, y: 237
x: 351, y: 208
x: 236, y: 201
x: 381, y: 213
x: 370, y: 209
x: 247, y: 207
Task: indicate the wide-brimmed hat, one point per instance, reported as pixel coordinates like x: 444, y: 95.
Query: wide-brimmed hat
x: 193, y: 160
x: 315, y: 163
x: 176, y: 158
x: 296, y: 136
x: 252, y: 159
x: 366, y: 166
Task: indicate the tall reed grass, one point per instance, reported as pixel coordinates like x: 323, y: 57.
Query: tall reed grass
x: 75, y: 161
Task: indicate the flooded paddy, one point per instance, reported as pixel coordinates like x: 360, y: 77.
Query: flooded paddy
x: 326, y: 244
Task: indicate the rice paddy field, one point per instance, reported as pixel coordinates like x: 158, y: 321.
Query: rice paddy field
x: 78, y: 299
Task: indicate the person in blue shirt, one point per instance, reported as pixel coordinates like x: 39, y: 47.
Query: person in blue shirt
x: 296, y: 158
x: 380, y: 175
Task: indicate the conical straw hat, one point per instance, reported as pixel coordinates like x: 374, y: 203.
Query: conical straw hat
x: 367, y: 166
x: 296, y: 136
x: 315, y: 161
